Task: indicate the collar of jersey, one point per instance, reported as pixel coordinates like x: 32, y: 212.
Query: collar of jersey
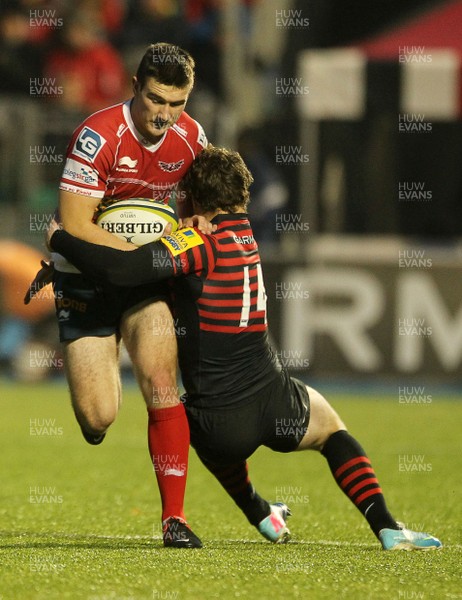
x: 223, y: 218
x: 136, y: 134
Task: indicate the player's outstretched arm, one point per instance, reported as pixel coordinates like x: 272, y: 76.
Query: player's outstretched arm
x: 152, y: 262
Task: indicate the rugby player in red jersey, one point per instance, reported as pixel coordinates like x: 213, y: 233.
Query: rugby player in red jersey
x: 237, y: 392
x: 137, y: 149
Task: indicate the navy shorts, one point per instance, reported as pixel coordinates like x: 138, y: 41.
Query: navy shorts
x: 85, y: 309
x: 276, y: 417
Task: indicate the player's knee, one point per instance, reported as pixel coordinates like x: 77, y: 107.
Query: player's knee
x: 97, y: 422
x: 165, y: 396
x: 325, y: 421
x: 332, y: 424
x: 328, y: 432
x: 97, y: 426
x: 162, y: 389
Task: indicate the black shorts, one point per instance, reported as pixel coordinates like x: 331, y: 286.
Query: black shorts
x: 277, y: 417
x: 85, y: 309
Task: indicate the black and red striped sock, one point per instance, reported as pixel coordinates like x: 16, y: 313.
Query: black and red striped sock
x: 354, y: 474
x: 235, y: 480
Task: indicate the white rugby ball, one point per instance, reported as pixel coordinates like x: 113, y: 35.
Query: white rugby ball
x: 138, y: 220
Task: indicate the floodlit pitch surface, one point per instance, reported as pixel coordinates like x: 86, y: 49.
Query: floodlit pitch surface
x: 83, y: 522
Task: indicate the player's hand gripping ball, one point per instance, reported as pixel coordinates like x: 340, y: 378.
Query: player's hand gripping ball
x: 138, y: 220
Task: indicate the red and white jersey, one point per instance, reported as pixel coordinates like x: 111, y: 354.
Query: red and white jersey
x: 107, y: 158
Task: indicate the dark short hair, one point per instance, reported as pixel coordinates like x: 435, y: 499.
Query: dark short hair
x: 218, y: 178
x: 168, y: 64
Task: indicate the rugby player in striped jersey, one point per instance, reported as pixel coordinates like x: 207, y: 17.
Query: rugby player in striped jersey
x: 237, y: 392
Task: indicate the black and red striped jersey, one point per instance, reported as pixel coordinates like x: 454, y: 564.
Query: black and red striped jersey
x: 219, y: 303
x: 233, y: 294
x: 220, y: 312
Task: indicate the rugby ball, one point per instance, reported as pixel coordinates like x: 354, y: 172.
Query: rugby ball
x: 138, y: 220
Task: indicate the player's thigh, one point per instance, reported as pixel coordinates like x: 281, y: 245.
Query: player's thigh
x: 92, y: 371
x: 149, y: 336
x: 324, y: 421
x: 225, y: 437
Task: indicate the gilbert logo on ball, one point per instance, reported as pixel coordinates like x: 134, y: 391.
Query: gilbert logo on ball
x: 137, y: 220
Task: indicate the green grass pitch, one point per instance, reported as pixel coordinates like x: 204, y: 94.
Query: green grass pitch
x: 83, y: 522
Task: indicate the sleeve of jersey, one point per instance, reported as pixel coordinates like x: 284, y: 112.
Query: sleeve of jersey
x: 191, y: 251
x: 185, y: 251
x: 202, y: 141
x: 87, y: 165
x: 152, y: 262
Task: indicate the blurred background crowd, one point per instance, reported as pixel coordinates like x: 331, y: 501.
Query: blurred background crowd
x: 61, y: 60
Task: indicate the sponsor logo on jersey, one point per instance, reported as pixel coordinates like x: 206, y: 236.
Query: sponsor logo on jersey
x: 127, y: 165
x: 126, y: 161
x: 171, y: 167
x: 80, y: 173
x: 182, y: 240
x: 88, y: 144
x: 67, y: 187
x: 202, y: 138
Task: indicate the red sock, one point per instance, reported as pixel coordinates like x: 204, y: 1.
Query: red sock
x: 168, y: 441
